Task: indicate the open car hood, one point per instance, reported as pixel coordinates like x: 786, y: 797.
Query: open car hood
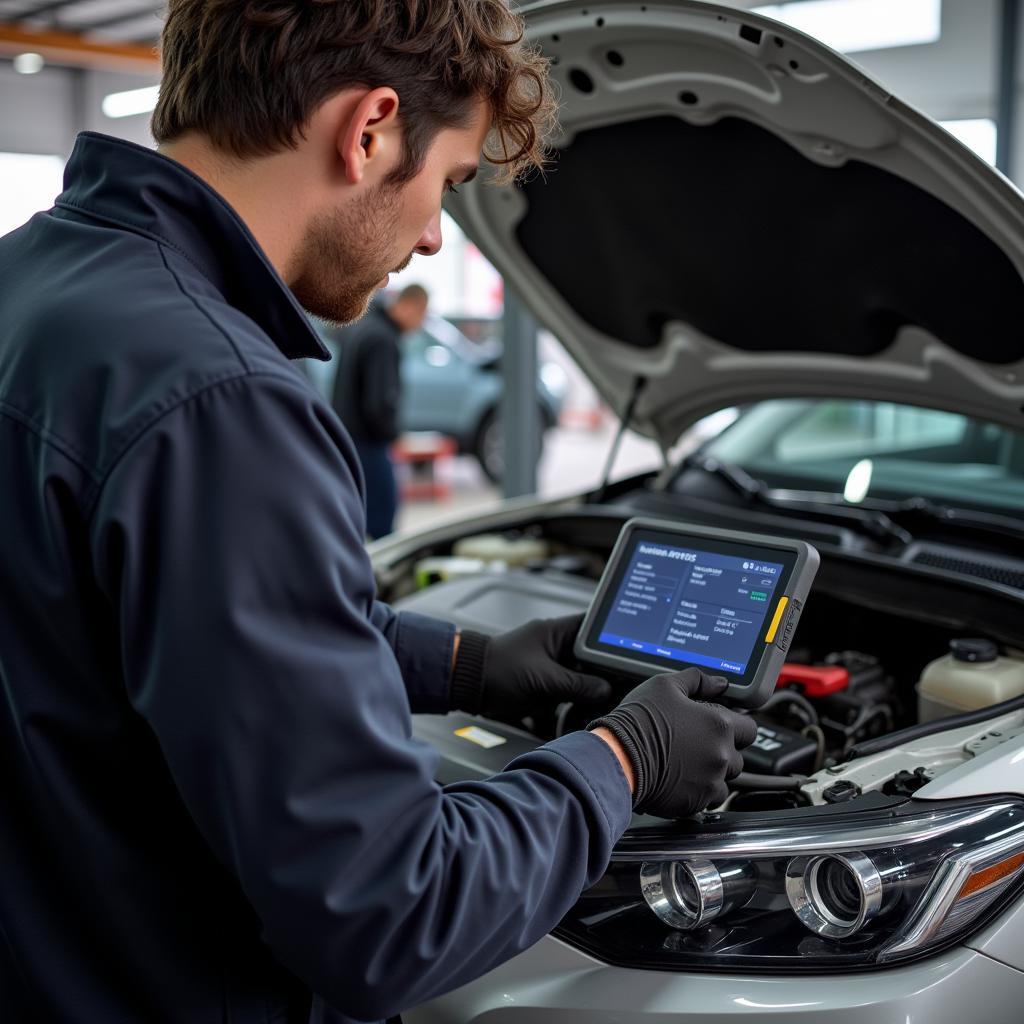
x: 737, y: 212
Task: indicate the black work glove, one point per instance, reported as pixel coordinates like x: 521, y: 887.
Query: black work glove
x: 682, y: 749
x: 523, y: 671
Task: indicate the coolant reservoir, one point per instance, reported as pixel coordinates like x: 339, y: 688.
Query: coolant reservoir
x: 492, y: 547
x: 971, y: 676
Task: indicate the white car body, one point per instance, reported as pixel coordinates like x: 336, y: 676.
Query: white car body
x: 924, y: 315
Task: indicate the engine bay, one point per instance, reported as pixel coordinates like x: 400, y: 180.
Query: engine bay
x: 850, y: 678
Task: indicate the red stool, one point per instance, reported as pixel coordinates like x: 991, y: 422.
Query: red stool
x: 422, y: 452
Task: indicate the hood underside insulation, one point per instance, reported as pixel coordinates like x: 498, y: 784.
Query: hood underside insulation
x: 727, y: 228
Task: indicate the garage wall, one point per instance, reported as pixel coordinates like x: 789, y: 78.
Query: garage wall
x: 42, y: 113
x: 36, y: 111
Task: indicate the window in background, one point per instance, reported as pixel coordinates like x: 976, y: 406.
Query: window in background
x: 853, y: 25
x: 977, y: 133
x: 460, y: 280
x: 28, y: 183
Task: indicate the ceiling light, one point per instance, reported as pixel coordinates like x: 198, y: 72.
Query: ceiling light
x: 853, y: 25
x: 28, y: 63
x: 131, y: 102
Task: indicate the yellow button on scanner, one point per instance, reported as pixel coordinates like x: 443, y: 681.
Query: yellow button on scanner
x: 774, y: 627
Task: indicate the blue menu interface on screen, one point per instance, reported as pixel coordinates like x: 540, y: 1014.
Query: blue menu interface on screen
x: 692, y: 606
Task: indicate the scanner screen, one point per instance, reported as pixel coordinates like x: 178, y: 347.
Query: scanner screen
x: 692, y: 606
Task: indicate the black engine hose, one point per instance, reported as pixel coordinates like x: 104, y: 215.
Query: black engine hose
x: 923, y: 729
x: 795, y: 699
x: 746, y: 780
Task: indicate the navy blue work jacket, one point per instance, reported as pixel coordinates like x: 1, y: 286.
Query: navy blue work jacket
x: 211, y: 805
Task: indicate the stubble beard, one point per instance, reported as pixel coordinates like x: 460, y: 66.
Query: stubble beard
x: 346, y: 254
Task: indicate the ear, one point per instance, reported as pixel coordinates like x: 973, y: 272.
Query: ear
x: 363, y: 137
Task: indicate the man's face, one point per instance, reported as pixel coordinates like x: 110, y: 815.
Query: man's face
x: 349, y: 252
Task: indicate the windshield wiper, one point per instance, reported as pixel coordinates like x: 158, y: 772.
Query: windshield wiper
x: 873, y: 522
x: 883, y: 519
x: 970, y: 520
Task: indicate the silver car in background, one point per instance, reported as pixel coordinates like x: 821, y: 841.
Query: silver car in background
x: 453, y: 386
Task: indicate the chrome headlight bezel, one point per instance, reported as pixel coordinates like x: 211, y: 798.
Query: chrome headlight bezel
x: 906, y: 879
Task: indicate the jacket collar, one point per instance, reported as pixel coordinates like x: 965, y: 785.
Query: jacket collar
x: 152, y: 195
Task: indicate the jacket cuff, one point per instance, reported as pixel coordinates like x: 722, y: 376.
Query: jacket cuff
x: 423, y: 647
x: 467, y: 686
x: 615, y: 727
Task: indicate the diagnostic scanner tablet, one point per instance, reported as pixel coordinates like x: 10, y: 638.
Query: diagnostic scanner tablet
x: 674, y: 595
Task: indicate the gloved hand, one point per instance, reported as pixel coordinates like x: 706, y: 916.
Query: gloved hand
x: 682, y: 750
x: 522, y: 671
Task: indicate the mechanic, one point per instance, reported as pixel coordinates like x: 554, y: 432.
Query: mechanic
x: 211, y: 806
x: 368, y: 392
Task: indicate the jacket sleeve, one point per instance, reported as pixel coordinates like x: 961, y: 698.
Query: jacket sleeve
x: 380, y: 384
x: 228, y: 540
x: 423, y: 649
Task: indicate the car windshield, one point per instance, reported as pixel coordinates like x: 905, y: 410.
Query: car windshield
x: 863, y: 449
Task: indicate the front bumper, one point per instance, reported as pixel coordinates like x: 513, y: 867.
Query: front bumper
x: 551, y: 983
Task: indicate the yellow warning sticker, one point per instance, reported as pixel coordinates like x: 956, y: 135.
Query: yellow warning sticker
x: 481, y: 737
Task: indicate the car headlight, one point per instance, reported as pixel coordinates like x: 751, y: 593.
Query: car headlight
x: 818, y: 889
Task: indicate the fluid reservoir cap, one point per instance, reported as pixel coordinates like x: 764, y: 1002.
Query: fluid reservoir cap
x: 974, y: 650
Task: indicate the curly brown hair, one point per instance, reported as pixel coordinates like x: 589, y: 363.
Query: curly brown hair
x: 249, y: 74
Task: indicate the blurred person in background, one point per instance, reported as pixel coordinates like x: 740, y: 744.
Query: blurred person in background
x: 368, y: 393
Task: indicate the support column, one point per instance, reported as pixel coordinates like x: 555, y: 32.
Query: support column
x: 518, y: 412
x: 1008, y: 55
